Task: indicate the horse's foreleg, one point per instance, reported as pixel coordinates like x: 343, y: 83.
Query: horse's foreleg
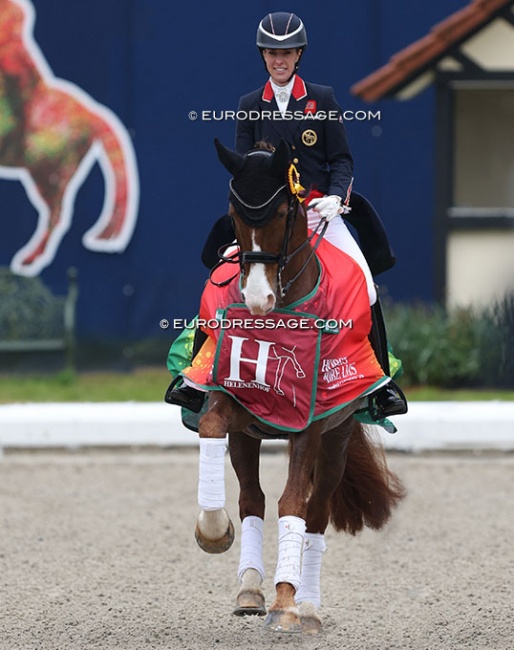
x: 245, y: 455
x: 48, y: 232
x: 214, y: 531
x: 284, y: 615
x: 49, y: 183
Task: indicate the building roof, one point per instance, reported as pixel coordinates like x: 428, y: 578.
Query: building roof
x: 418, y: 59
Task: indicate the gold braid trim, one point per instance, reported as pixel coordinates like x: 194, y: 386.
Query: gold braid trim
x: 293, y: 178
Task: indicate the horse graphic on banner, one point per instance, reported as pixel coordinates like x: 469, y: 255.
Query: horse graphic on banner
x: 284, y: 357
x: 51, y: 134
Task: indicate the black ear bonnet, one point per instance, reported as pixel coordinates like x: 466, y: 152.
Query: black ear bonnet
x: 259, y: 182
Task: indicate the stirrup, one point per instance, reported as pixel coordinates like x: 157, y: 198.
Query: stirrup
x: 386, y: 401
x: 184, y: 396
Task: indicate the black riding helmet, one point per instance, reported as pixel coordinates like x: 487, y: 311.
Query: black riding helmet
x: 282, y: 31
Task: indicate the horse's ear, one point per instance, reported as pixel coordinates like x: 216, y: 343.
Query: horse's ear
x: 281, y: 158
x: 231, y: 160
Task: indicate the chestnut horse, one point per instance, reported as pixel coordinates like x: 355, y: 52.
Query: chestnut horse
x: 336, y: 474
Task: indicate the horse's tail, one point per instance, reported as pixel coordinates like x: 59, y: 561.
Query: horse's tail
x: 113, y: 150
x: 368, y: 491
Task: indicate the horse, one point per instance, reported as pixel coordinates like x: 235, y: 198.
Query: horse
x: 51, y: 134
x: 336, y: 473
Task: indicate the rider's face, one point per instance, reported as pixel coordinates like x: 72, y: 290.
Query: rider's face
x: 281, y: 64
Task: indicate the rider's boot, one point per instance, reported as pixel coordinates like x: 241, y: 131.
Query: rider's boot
x: 388, y: 400
x: 182, y: 394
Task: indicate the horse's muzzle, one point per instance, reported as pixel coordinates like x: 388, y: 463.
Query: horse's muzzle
x: 260, y: 306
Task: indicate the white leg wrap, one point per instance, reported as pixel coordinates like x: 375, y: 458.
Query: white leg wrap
x: 211, y: 481
x: 338, y: 235
x: 313, y: 548
x: 290, y: 543
x: 251, y: 546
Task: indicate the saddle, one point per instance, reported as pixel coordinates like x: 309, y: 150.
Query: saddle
x: 377, y: 250
x: 366, y: 221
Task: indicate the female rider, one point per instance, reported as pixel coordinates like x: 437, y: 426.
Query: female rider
x: 308, y: 117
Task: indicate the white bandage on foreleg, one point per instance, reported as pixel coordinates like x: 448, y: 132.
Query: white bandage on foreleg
x: 251, y: 546
x: 211, y: 480
x: 291, y: 531
x: 313, y: 548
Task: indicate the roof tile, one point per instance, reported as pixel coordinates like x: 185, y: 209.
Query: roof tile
x: 417, y: 56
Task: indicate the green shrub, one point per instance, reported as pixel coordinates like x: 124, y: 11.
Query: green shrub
x: 436, y: 348
x: 28, y: 309
x: 495, y: 333
x: 454, y: 349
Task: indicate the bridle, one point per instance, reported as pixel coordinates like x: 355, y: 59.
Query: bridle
x: 281, y: 259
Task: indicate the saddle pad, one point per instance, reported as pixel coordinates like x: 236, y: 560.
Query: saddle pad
x: 336, y: 341
x: 270, y: 364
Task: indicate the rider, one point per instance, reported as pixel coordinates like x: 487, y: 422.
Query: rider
x: 319, y: 147
x: 308, y: 117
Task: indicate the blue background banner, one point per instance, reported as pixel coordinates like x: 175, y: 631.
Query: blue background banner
x: 152, y: 62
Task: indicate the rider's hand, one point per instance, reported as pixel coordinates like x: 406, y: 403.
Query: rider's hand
x: 327, y: 206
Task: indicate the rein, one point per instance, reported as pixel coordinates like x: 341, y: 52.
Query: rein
x: 282, y: 259
x: 323, y: 223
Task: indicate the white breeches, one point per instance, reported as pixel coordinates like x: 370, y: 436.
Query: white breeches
x: 338, y: 235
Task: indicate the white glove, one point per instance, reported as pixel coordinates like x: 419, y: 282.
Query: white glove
x: 327, y: 206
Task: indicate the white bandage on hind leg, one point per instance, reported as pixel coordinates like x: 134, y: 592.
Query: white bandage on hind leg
x: 313, y: 548
x: 251, y: 546
x: 291, y: 531
x: 211, y: 480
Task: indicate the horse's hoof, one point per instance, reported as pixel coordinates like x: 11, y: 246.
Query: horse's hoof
x: 284, y: 620
x: 309, y: 617
x: 250, y: 602
x: 215, y: 545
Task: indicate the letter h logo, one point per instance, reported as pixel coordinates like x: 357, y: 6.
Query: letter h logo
x: 260, y: 363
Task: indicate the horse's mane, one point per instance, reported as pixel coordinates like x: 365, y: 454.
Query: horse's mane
x: 265, y: 146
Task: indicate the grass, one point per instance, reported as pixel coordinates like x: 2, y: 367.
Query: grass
x: 141, y: 385
x: 149, y: 385
x: 434, y: 394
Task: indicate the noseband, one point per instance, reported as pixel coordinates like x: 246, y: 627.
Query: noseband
x: 281, y: 259
x: 256, y: 216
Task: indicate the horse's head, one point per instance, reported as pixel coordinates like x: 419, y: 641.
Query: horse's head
x: 264, y: 207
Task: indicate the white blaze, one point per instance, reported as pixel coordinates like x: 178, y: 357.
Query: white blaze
x: 258, y: 294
